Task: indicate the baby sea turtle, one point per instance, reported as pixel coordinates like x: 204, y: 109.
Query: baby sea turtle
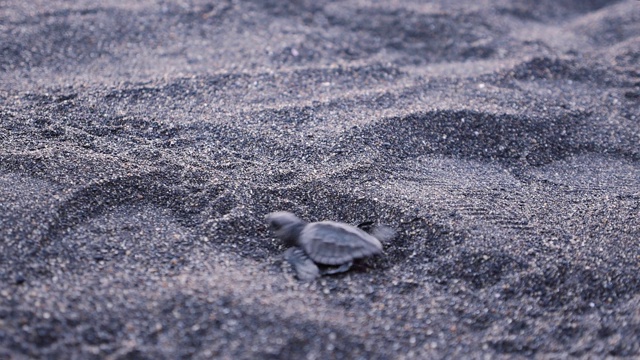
x: 326, y: 243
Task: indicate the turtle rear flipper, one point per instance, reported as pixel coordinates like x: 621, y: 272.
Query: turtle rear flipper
x: 383, y: 233
x: 306, y: 269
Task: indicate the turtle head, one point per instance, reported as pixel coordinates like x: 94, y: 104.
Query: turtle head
x: 286, y: 226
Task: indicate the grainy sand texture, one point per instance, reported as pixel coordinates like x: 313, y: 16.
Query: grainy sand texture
x: 143, y: 142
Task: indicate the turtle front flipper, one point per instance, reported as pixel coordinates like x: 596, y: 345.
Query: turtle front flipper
x: 343, y: 268
x: 306, y: 269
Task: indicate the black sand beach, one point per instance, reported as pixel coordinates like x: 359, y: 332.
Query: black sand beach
x: 142, y: 143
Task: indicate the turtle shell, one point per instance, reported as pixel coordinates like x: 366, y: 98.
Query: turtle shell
x: 334, y: 243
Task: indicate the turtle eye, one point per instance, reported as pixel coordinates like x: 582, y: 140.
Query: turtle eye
x: 275, y: 225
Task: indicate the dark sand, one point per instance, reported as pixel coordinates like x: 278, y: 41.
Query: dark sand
x: 143, y: 142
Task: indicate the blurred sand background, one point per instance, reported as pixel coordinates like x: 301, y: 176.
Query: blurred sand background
x: 143, y: 142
